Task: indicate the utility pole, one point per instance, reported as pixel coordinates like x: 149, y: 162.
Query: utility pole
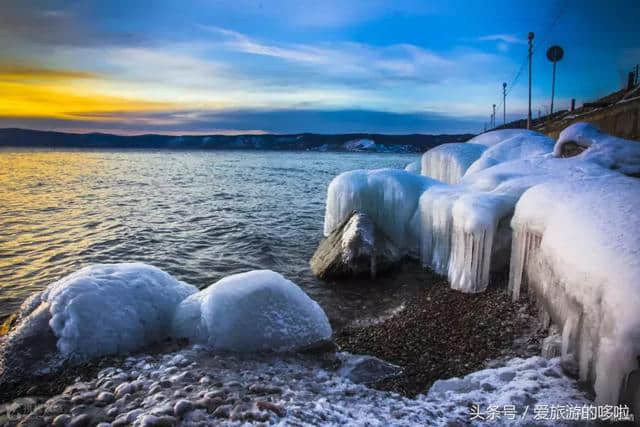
x: 494, y: 116
x: 485, y: 126
x: 504, y: 104
x: 530, y: 38
x: 554, y: 54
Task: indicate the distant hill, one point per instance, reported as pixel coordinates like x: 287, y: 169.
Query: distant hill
x: 415, y: 143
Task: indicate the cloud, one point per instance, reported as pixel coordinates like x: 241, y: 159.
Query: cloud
x: 283, y: 121
x: 34, y: 21
x: 505, y: 38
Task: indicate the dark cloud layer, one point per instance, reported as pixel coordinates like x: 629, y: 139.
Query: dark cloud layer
x: 270, y: 121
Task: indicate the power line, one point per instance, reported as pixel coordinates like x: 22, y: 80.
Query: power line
x: 546, y: 35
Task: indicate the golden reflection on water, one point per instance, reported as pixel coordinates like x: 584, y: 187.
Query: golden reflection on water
x: 43, y: 213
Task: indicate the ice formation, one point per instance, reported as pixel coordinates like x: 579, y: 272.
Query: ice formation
x: 389, y: 196
x: 414, y: 167
x: 253, y: 311
x: 463, y: 230
x: 580, y: 259
x: 519, y: 146
x: 497, y: 136
x: 108, y: 308
x: 606, y: 150
x: 449, y: 162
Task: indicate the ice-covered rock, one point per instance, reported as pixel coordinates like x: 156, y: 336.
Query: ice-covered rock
x: 99, y: 310
x: 497, y: 136
x: 580, y: 260
x: 356, y: 248
x: 388, y: 196
x: 590, y: 144
x: 449, y: 162
x: 414, y: 167
x: 254, y: 311
x: 519, y: 146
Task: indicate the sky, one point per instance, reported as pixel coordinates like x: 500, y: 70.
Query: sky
x: 292, y: 66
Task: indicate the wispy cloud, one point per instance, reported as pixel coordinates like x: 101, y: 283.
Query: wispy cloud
x: 505, y: 38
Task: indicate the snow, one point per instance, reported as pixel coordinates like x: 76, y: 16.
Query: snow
x: 606, y: 150
x: 414, y: 167
x: 254, y: 311
x: 389, y: 196
x: 519, y: 146
x: 449, y: 162
x: 194, y: 387
x: 497, y: 136
x: 111, y: 308
x: 360, y: 145
x: 522, y: 384
x: 582, y: 258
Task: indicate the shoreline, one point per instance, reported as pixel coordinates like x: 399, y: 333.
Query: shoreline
x: 441, y: 333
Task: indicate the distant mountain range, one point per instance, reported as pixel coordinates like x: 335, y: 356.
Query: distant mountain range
x: 360, y: 142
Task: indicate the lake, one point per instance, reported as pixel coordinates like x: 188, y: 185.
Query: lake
x: 199, y: 215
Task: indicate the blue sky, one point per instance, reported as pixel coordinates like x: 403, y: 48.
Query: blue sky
x: 300, y: 66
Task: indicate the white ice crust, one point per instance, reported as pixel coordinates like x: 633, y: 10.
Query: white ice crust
x: 587, y: 264
x: 449, y: 162
x: 254, y: 311
x: 462, y: 230
x: 389, y: 196
x: 497, y: 136
x: 606, y: 150
x: 112, y: 308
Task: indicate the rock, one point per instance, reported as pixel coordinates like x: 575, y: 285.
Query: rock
x: 81, y: 420
x: 270, y: 406
x: 29, y: 348
x: 181, y: 407
x: 223, y: 411
x: 61, y: 420
x: 105, y: 398
x: 354, y: 249
x: 124, y: 388
x: 264, y: 389
x: 153, y: 421
x: 366, y: 369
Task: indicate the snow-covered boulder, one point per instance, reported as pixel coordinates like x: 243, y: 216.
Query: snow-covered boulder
x: 449, y: 162
x: 580, y: 260
x: 388, y: 196
x: 497, y: 136
x: 520, y: 146
x: 590, y: 144
x: 356, y: 248
x: 254, y: 311
x: 99, y: 310
x: 414, y: 167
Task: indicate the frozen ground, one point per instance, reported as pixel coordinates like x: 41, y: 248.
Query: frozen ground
x: 195, y: 387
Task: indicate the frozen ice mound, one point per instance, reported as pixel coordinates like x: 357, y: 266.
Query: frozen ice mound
x: 449, y: 162
x: 388, y: 196
x: 497, y: 136
x: 580, y: 260
x: 254, y: 311
x: 519, y: 146
x: 595, y: 146
x: 108, y: 308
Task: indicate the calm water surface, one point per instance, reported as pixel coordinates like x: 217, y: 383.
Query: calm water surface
x: 198, y: 215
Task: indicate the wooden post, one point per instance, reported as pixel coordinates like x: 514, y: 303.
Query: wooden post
x: 573, y: 104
